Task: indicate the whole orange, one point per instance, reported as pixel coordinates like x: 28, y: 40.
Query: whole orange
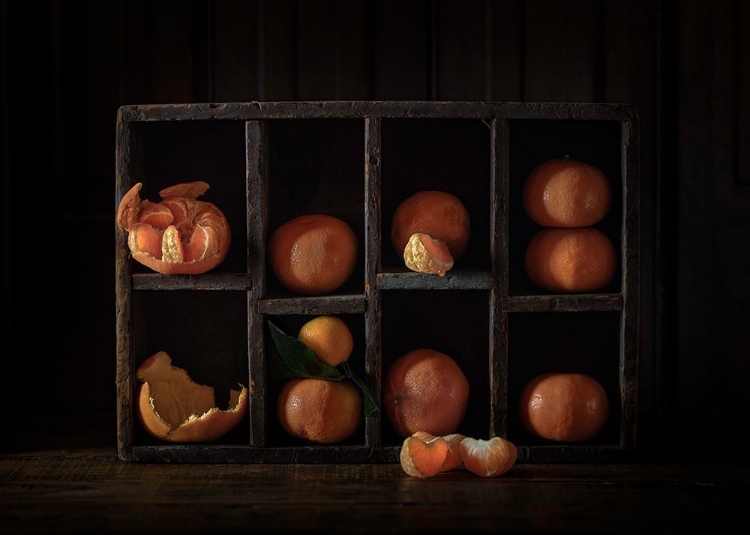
x: 425, y: 390
x: 439, y: 214
x: 569, y: 260
x: 318, y: 410
x: 564, y: 407
x: 566, y: 193
x: 313, y: 254
x: 328, y: 337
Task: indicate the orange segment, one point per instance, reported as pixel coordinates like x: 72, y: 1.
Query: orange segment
x: 420, y: 458
x: 488, y: 458
x: 424, y: 254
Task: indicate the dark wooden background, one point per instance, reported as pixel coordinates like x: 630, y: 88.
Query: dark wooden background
x: 68, y: 65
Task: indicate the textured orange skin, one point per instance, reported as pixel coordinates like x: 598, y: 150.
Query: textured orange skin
x: 571, y: 260
x: 425, y: 390
x: 566, y: 193
x: 328, y: 337
x: 200, y: 420
x: 439, y: 214
x: 318, y: 410
x: 564, y: 407
x: 204, y: 233
x: 313, y: 254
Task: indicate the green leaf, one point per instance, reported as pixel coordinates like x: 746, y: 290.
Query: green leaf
x: 369, y: 404
x: 297, y: 360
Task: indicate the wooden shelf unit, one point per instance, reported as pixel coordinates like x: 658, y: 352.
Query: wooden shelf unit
x: 266, y: 162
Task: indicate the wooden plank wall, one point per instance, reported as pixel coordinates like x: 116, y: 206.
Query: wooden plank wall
x: 681, y: 63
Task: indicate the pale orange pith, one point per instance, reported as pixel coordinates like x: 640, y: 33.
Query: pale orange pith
x: 564, y: 407
x: 328, y: 337
x: 313, y: 254
x: 438, y: 214
x: 173, y: 408
x: 179, y: 234
x: 570, y: 260
x: 320, y: 411
x: 423, y: 456
x: 424, y: 254
x: 425, y: 390
x: 488, y: 458
x: 566, y: 193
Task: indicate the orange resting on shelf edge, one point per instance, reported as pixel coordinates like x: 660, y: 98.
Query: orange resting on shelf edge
x: 179, y: 235
x: 564, y: 407
x: 313, y: 254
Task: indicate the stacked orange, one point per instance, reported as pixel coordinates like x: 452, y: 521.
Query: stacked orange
x: 568, y: 197
x: 321, y: 410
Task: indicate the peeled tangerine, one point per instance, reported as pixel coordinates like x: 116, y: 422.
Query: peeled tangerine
x: 488, y: 458
x: 172, y: 407
x: 424, y: 254
x: 424, y: 455
x: 179, y: 235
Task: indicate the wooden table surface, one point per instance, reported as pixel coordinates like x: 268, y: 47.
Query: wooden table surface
x: 91, y: 491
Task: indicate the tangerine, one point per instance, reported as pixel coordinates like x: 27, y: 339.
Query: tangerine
x: 319, y: 410
x: 439, y: 214
x: 564, y: 407
x: 571, y: 259
x: 425, y: 390
x: 313, y: 254
x: 566, y: 193
x: 328, y: 337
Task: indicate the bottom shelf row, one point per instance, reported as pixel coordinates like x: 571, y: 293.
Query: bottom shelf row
x: 545, y: 379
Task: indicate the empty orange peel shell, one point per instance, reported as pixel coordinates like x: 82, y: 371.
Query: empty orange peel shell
x: 172, y: 407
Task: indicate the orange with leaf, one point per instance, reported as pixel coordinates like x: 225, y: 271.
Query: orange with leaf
x: 321, y: 400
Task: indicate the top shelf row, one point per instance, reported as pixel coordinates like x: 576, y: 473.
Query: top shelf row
x: 267, y: 163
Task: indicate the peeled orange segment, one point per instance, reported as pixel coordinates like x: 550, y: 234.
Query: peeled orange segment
x: 488, y: 458
x: 424, y: 254
x: 173, y: 408
x: 453, y: 459
x: 439, y: 214
x: 156, y: 215
x: 180, y: 234
x: 423, y: 458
